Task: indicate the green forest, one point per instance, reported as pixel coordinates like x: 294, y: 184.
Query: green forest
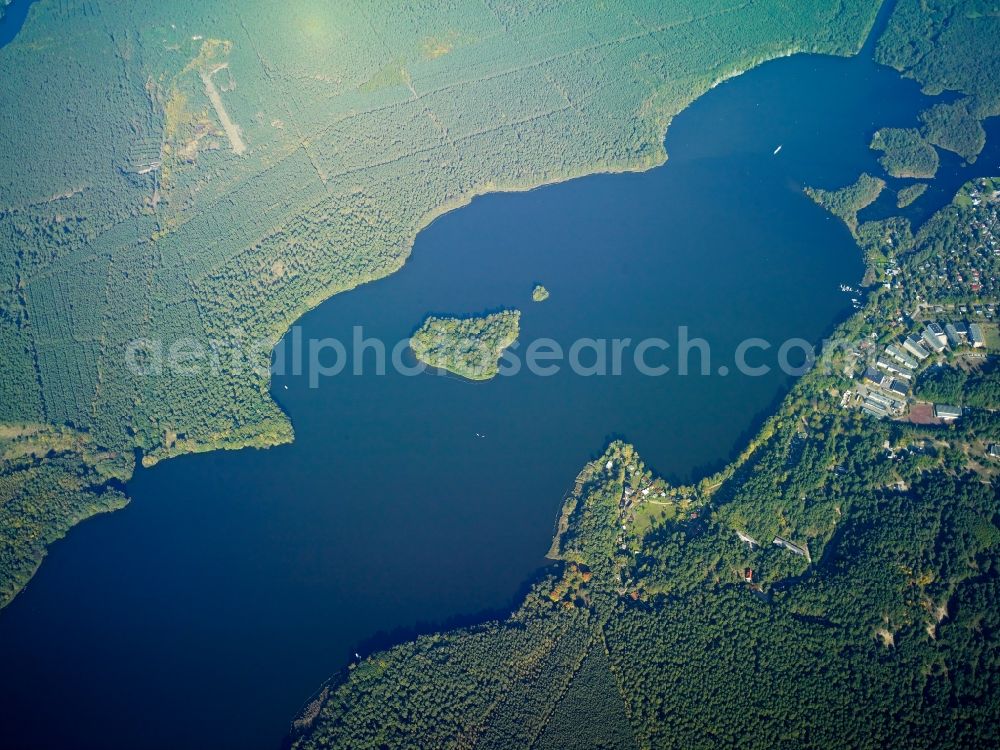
x: 909, y: 194
x: 470, y: 347
x: 979, y: 389
x: 948, y: 46
x: 954, y: 127
x: 848, y: 201
x: 887, y: 638
x: 905, y: 153
x: 230, y: 168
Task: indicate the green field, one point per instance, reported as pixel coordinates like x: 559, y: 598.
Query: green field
x: 992, y: 333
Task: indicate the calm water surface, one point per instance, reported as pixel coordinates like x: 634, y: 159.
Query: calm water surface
x: 13, y: 19
x: 205, y: 613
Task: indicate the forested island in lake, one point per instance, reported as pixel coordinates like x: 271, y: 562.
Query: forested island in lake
x: 909, y: 194
x: 469, y: 346
x: 206, y: 174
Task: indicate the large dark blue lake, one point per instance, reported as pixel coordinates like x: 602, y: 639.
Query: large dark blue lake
x: 205, y: 613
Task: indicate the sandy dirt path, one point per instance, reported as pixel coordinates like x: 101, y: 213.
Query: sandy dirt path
x: 231, y: 128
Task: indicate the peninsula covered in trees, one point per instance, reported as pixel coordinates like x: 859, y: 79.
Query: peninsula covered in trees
x: 470, y: 347
x: 905, y: 153
x: 954, y: 127
x: 848, y: 201
x: 948, y: 46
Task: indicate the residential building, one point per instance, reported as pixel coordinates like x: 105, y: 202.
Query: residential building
x: 929, y: 340
x: 914, y: 347
x: 872, y: 411
x: 976, y: 336
x: 896, y: 369
x: 935, y: 336
x: 878, y: 398
x: 896, y: 353
x: 947, y: 413
x: 874, y: 376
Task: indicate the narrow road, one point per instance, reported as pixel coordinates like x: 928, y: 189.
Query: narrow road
x: 231, y: 128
